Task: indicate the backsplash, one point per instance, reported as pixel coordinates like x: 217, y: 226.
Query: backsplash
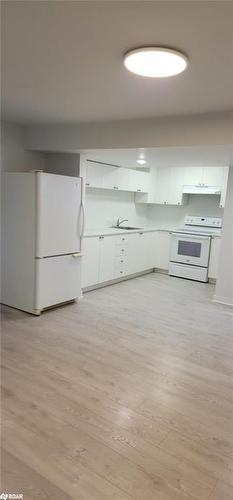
x: 162, y: 216
x: 104, y: 206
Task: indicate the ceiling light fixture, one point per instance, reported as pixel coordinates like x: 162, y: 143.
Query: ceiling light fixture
x: 141, y: 161
x: 155, y: 62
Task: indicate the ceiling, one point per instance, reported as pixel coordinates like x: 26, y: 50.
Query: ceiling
x: 212, y: 156
x: 62, y: 60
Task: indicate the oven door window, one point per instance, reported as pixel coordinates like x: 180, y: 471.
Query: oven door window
x: 189, y: 248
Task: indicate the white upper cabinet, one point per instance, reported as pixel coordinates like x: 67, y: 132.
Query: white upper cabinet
x: 116, y: 178
x: 168, y: 185
x: 162, y: 185
x: 213, y: 176
x: 204, y: 176
x: 175, y: 188
x: 139, y: 181
x: 193, y: 176
x: 165, y: 187
x: 224, y: 187
x: 109, y: 177
x: 94, y: 175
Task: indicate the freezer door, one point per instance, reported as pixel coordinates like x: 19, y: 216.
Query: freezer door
x: 58, y: 214
x: 58, y: 279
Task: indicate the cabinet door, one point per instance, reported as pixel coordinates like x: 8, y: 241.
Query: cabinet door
x: 110, y: 178
x: 162, y: 249
x: 214, y: 257
x: 176, y: 182
x: 140, y: 181
x: 90, y: 261
x: 224, y: 187
x: 140, y: 252
x: 94, y: 175
x: 107, y: 258
x: 162, y: 185
x: 193, y: 176
x: 123, y: 179
x: 213, y: 176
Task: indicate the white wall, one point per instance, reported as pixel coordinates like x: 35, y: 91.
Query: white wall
x: 224, y: 286
x: 173, y: 216
x: 193, y: 130
x: 103, y: 206
x: 13, y: 155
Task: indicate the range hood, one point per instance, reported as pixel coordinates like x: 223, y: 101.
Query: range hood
x: 202, y: 190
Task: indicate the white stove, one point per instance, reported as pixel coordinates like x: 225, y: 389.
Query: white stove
x: 190, y: 247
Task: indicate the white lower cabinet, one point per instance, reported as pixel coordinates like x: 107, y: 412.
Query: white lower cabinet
x: 90, y: 261
x: 214, y: 257
x: 107, y: 258
x: 141, y: 252
x: 111, y: 257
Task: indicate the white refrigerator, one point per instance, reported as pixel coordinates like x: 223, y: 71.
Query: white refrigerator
x: 43, y: 224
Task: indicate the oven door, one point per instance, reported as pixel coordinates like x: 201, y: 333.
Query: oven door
x: 190, y: 249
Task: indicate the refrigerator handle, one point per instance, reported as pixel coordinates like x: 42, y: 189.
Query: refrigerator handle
x: 83, y: 215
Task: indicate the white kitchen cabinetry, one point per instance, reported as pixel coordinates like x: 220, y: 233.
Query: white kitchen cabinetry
x: 213, y: 176
x: 139, y: 181
x: 162, y: 185
x: 111, y: 257
x: 141, y: 252
x: 115, y: 178
x: 175, y: 193
x: 162, y: 249
x: 90, y: 261
x: 94, y: 175
x: 166, y: 184
x: 214, y: 257
x: 165, y: 187
x: 107, y: 257
x: 224, y: 187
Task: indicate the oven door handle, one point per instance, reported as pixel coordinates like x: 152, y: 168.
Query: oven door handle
x: 193, y: 237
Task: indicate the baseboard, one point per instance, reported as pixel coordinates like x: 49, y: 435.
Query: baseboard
x: 227, y: 301
x: 118, y: 280
x: 160, y: 271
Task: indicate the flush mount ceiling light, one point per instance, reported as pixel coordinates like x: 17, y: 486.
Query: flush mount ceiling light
x: 141, y: 161
x: 155, y: 62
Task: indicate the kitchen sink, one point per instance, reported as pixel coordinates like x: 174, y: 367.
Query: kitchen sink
x: 128, y: 228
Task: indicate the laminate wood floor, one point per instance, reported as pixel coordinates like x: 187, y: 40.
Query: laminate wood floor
x: 126, y: 395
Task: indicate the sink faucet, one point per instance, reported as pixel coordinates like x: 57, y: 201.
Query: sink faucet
x: 119, y: 222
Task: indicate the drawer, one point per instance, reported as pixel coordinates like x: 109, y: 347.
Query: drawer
x: 121, y: 251
x: 121, y: 260
x: 122, y: 240
x: 121, y: 271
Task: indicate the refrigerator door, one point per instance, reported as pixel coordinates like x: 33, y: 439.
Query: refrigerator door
x: 58, y: 279
x: 58, y: 214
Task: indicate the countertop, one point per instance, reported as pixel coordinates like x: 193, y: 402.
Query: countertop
x: 111, y: 231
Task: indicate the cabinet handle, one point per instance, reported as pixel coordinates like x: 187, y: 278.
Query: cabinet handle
x: 101, y: 237
x: 139, y: 190
x: 87, y: 183
x: 141, y: 234
x: 123, y: 239
x: 122, y: 261
x: 121, y: 272
x: 122, y: 250
x: 115, y: 187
